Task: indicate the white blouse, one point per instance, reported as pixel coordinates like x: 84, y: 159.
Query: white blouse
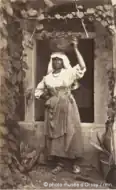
x: 63, y: 79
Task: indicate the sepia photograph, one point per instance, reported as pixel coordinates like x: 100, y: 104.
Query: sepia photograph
x: 58, y: 94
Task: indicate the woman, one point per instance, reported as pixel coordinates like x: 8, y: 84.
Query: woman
x: 62, y: 120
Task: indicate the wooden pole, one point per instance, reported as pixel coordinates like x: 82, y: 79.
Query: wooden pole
x: 82, y: 21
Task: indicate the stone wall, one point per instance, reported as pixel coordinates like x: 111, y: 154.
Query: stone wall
x: 103, y: 63
x: 32, y: 137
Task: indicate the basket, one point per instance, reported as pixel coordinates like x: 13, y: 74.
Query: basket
x: 61, y: 44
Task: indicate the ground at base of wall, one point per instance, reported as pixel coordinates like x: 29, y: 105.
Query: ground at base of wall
x: 42, y: 178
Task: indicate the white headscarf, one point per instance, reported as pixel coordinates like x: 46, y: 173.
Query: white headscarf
x: 62, y: 56
x: 66, y: 64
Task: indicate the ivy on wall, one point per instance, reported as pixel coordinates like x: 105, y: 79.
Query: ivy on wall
x: 103, y: 14
x: 11, y: 76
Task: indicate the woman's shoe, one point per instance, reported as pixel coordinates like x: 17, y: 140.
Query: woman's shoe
x: 58, y: 169
x: 76, y: 169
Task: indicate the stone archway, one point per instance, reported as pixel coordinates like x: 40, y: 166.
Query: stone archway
x: 91, y: 14
x: 41, y: 33
x: 101, y: 6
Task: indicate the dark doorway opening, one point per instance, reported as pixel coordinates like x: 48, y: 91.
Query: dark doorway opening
x: 84, y: 96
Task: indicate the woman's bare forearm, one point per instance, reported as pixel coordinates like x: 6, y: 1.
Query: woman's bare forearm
x: 78, y: 54
x: 80, y: 58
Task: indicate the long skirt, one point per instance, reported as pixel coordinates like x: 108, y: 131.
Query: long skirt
x: 62, y: 128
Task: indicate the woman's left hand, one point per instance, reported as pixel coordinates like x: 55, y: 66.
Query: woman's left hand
x: 75, y: 42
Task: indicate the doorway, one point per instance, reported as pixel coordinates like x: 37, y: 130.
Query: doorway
x: 84, y: 96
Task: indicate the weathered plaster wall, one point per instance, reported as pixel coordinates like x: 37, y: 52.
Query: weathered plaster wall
x: 103, y: 63
x: 32, y: 137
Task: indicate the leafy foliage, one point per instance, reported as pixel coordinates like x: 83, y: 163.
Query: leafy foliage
x: 12, y: 74
x: 103, y: 14
x: 112, y: 102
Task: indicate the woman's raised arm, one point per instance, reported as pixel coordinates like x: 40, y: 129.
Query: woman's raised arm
x: 79, y: 56
x: 78, y: 71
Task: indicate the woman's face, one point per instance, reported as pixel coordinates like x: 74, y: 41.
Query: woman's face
x: 57, y: 63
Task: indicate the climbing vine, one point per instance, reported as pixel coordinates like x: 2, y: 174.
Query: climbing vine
x: 12, y: 75
x: 103, y: 14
